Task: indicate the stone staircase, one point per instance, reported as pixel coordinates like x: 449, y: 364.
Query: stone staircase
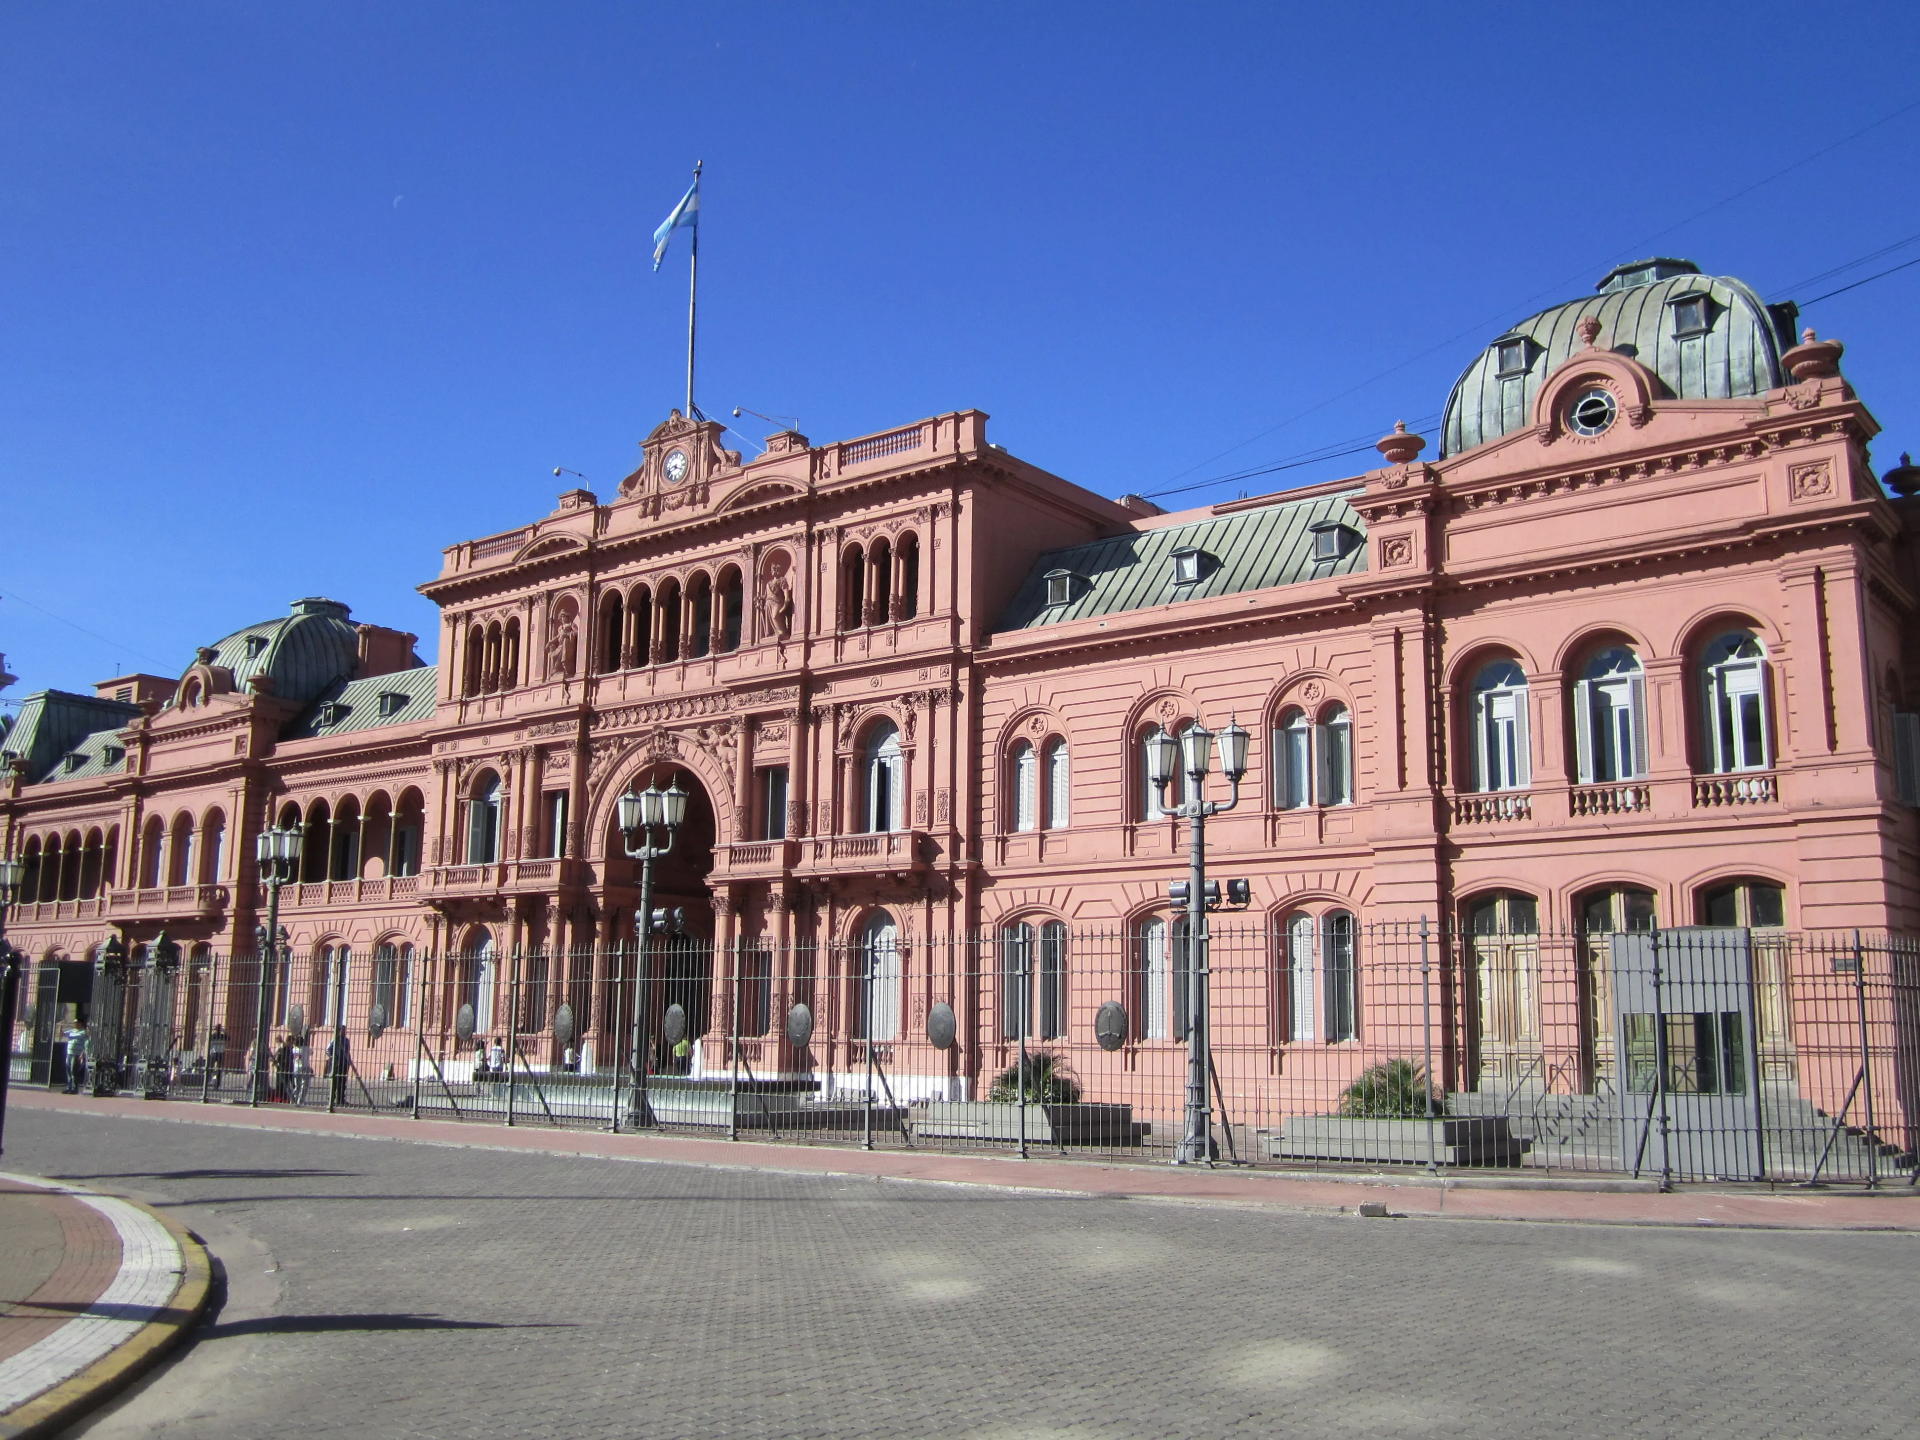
x: 1582, y: 1132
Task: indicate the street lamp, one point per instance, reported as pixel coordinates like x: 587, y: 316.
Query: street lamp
x: 1193, y: 753
x: 653, y: 809
x: 11, y: 871
x: 277, y: 852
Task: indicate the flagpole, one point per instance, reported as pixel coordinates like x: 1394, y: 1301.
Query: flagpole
x: 693, y: 296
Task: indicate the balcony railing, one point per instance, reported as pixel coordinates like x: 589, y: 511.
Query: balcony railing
x: 506, y: 875
x: 1713, y: 791
x: 1492, y: 809
x: 758, y: 857
x: 347, y: 892
x: 159, y: 902
x: 892, y: 851
x: 1625, y: 798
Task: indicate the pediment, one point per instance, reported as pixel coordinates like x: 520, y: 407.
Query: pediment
x: 547, y: 545
x: 761, y: 492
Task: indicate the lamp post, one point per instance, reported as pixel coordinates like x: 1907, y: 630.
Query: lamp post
x: 277, y: 851
x: 11, y: 870
x: 653, y: 809
x: 1191, y: 753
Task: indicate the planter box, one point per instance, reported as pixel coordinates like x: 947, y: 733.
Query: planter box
x: 1046, y: 1124
x: 1454, y: 1140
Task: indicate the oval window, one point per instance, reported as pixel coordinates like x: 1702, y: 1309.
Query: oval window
x: 1592, y: 412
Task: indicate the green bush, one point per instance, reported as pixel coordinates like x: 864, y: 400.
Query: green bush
x: 1047, y: 1082
x: 1396, y: 1090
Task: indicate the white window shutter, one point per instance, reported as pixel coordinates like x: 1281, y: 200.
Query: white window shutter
x: 1583, y: 731
x: 1637, y: 690
x: 1059, y: 786
x: 897, y: 792
x: 1480, y: 735
x: 1522, y: 739
x: 1766, y: 715
x: 1025, y: 789
x: 1318, y: 795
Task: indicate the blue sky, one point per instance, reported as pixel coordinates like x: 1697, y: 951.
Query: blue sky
x: 297, y: 295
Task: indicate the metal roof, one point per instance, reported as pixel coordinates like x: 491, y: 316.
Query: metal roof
x: 302, y: 653
x: 1245, y: 550
x: 54, y: 723
x: 348, y: 706
x: 1739, y: 355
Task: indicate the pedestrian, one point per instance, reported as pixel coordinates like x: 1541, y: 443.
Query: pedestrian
x: 76, y: 1059
x: 301, y: 1069
x: 282, y: 1069
x: 217, y: 1055
x: 571, y: 1064
x: 497, y: 1057
x: 480, y: 1058
x: 339, y: 1062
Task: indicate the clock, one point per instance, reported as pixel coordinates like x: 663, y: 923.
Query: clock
x: 675, y: 467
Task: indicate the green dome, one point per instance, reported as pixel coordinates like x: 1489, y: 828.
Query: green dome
x: 1728, y: 348
x: 302, y: 653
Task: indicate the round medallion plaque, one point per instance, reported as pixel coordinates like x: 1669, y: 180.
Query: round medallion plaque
x: 941, y: 1026
x: 799, y: 1027
x: 1110, y: 1025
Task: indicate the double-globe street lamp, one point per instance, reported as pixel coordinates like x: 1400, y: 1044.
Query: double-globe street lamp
x: 277, y: 850
x: 642, y: 816
x: 12, y: 870
x: 1192, y: 753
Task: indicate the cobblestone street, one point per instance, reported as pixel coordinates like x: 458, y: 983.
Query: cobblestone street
x: 392, y: 1289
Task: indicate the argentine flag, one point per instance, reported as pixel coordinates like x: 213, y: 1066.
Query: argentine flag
x: 686, y: 213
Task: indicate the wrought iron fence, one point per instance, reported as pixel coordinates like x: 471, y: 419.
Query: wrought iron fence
x: 1688, y: 1054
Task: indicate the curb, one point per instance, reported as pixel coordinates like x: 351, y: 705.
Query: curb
x: 54, y: 1410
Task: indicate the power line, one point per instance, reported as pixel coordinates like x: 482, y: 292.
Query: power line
x: 1558, y: 288
x: 1858, y: 283
x: 1851, y: 264
x: 91, y: 634
x: 1333, y: 450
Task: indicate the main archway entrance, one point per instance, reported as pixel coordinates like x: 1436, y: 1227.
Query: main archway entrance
x: 675, y: 968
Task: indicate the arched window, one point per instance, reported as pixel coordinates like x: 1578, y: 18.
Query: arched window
x: 907, y: 562
x: 90, y: 863
x: 335, y: 961
x: 1176, y: 793
x: 612, y: 633
x: 879, y: 582
x: 1293, y: 761
x: 474, y: 673
x: 669, y: 603
x: 879, y: 1017
x: 1333, y: 738
x: 853, y: 587
x: 1342, y: 982
x: 316, y: 850
x: 151, y: 844
x: 640, y: 624
x: 1052, y: 979
x: 1033, y: 981
x: 213, y: 847
x: 700, y: 622
x: 1149, y: 1005
x: 491, y: 680
x: 483, y: 821
x: 409, y: 824
x: 1733, y: 678
x: 886, y: 773
x: 477, y: 977
x: 1746, y: 903
x: 732, y: 610
x: 1503, y: 932
x: 1610, y: 718
x: 1622, y: 907
x: 1499, y: 742
x: 387, y: 1004
x: 1302, y: 961
x: 30, y: 875
x: 1059, y: 786
x: 179, y: 852
x: 1321, y: 984
x: 1026, y: 787
x: 345, y: 864
x: 510, y: 655
x: 1016, y: 981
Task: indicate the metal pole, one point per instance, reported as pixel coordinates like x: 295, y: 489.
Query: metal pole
x: 206, y: 1051
x: 1198, y: 1145
x: 1866, y: 1060
x: 337, y: 1061
x: 1426, y: 1028
x: 1660, y: 1067
x: 642, y: 979
x: 1021, y: 973
x: 513, y: 1030
x: 733, y: 1079
x: 866, y: 1034
x: 9, y: 1003
x: 269, y: 954
x: 693, y: 292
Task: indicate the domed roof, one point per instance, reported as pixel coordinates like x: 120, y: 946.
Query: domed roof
x: 301, y: 653
x: 1729, y: 347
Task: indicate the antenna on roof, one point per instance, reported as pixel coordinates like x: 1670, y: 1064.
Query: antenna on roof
x: 785, y: 422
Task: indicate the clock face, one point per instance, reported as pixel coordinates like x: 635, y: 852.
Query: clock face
x: 676, y: 467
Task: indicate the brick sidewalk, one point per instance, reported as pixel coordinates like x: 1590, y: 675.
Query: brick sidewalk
x: 1593, y: 1202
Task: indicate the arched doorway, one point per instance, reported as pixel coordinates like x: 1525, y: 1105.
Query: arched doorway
x: 678, y: 967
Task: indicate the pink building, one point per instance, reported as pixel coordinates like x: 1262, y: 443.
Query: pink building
x: 1636, y: 647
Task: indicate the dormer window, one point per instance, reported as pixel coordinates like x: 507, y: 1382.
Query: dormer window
x: 73, y: 761
x: 392, y: 702
x: 1059, y: 587
x: 1332, y: 540
x: 1189, y: 565
x: 1515, y: 356
x: 1692, y: 315
x: 113, y: 754
x: 332, y: 713
x: 256, y: 646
